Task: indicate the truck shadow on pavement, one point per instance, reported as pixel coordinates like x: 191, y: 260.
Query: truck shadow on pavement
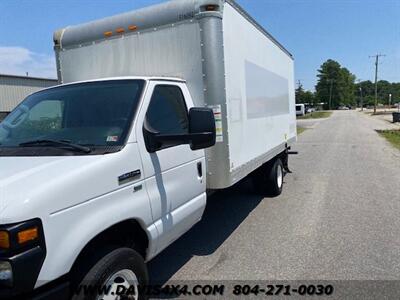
x: 224, y: 212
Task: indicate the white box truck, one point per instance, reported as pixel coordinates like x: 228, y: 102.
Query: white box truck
x: 156, y: 107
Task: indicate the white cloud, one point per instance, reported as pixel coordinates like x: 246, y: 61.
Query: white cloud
x: 19, y: 60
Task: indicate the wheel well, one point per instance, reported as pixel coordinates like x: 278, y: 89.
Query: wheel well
x: 128, y: 233
x: 283, y: 156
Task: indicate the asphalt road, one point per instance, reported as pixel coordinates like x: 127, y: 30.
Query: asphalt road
x: 337, y: 219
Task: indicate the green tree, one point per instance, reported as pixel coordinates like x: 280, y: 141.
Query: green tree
x: 384, y: 89
x: 346, y: 87
x: 308, y: 97
x: 299, y: 93
x: 335, y: 83
x: 303, y: 96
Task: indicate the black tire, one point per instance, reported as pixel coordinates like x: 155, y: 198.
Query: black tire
x: 268, y: 180
x: 112, y: 263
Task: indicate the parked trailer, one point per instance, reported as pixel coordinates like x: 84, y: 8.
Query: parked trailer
x: 155, y: 108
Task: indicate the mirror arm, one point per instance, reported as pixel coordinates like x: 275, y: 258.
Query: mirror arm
x: 173, y: 137
x: 184, y: 138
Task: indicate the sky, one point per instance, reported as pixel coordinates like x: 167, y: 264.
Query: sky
x: 348, y: 31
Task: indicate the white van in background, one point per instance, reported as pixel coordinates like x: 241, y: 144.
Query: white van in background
x: 300, y: 110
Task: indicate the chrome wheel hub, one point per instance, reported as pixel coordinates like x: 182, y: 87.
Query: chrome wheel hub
x: 122, y: 285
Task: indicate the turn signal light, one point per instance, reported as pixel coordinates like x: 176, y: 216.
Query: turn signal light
x: 211, y: 7
x: 132, y: 27
x: 28, y: 235
x: 108, y: 33
x: 4, y: 240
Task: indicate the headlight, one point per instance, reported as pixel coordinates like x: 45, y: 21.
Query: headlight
x: 22, y: 253
x: 4, y: 240
x: 6, y: 274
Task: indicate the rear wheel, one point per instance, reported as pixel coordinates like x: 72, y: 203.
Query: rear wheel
x: 268, y: 180
x: 119, y: 275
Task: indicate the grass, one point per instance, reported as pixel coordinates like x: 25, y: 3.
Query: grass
x: 316, y: 115
x: 300, y: 130
x: 393, y: 136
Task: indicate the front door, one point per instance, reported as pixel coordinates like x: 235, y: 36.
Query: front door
x: 175, y: 176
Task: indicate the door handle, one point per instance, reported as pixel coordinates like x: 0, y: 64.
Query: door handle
x: 200, y: 169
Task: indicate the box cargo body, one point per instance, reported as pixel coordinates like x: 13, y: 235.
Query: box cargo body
x: 230, y: 63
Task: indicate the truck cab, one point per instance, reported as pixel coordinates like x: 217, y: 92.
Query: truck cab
x: 98, y: 174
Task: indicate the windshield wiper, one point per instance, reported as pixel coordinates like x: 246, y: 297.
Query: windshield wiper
x: 56, y: 143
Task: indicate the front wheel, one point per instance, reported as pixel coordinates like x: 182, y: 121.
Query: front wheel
x: 268, y: 180
x: 121, y: 274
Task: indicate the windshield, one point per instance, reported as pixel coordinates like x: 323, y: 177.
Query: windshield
x: 89, y: 114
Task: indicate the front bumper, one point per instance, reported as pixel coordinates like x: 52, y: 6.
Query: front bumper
x: 59, y: 291
x: 25, y: 268
x: 26, y: 260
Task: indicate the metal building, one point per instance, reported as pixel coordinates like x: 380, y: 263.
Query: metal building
x: 13, y: 89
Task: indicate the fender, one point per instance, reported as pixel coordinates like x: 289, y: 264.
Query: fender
x: 68, y: 234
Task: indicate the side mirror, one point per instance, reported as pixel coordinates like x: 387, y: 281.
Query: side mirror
x: 201, y: 128
x: 201, y: 133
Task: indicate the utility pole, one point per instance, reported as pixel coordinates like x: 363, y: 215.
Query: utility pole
x: 330, y: 94
x: 390, y: 99
x: 376, y: 78
x: 299, y: 83
x: 361, y: 95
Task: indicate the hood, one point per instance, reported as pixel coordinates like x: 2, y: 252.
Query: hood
x: 33, y: 187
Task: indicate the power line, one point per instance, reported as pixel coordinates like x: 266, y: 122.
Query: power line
x: 376, y: 77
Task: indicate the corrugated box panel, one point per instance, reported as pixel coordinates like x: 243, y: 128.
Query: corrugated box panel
x: 172, y: 51
x: 14, y: 89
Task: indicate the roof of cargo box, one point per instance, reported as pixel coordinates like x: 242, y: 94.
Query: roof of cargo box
x: 145, y: 18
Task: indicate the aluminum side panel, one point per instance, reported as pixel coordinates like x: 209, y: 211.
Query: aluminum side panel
x: 260, y: 93
x: 173, y: 50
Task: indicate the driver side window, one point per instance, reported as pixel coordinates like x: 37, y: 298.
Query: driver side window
x: 167, y: 112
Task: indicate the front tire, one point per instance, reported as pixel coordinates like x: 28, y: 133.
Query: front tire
x: 120, y: 268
